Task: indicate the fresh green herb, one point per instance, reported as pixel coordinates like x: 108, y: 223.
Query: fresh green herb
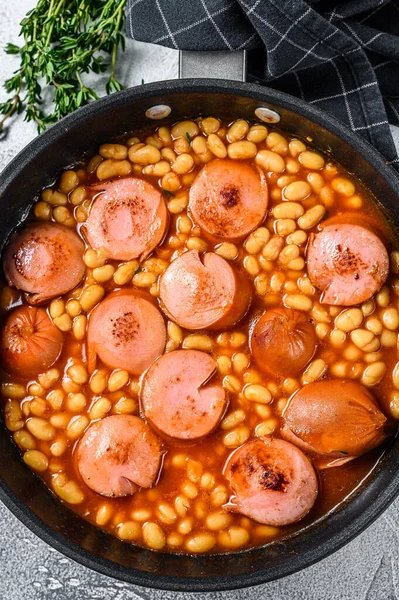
x: 63, y: 40
x: 168, y: 193
x: 138, y: 270
x: 343, y: 452
x: 188, y: 136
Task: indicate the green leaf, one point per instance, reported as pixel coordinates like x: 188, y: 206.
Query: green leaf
x: 188, y: 136
x: 12, y: 49
x: 168, y: 193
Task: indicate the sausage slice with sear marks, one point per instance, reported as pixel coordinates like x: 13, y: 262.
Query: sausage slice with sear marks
x: 228, y: 199
x: 348, y: 262
x: 44, y: 260
x: 117, y: 454
x: 203, y: 292
x: 128, y: 218
x: 178, y: 396
x: 273, y: 482
x: 126, y: 331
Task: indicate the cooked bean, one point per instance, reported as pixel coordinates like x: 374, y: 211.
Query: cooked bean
x: 129, y: 530
x: 210, y: 125
x: 237, y: 131
x: 270, y: 161
x: 111, y: 168
x: 181, y: 129
x: 183, y: 164
x: 216, y: 521
x: 343, y: 186
x: 257, y: 393
x: 242, y: 150
x: 285, y: 227
x: 69, y: 491
x: 236, y: 437
x: 349, y: 319
x: 382, y: 297
x: 362, y: 337
x: 297, y: 301
x: 40, y: 429
x: 232, y: 384
x: 198, y: 341
x: 24, y: 439
x: 297, y: 190
x: 312, y: 217
x: 216, y: 146
x: 201, y: 542
x: 273, y: 248
x: 373, y: 374
x: 394, y: 406
x: 100, y: 408
x: 296, y: 147
x: 276, y: 142
x: 59, y: 446
x: 257, y: 133
x: 103, y: 274
x: 234, y: 537
x: 233, y: 419
x: 227, y: 250
x: 314, y: 371
x: 36, y: 460
x: 76, y: 427
x: 288, y: 210
x: 117, y: 151
x: 266, y: 428
x: 395, y: 376
x: 311, y: 160
x: 42, y: 211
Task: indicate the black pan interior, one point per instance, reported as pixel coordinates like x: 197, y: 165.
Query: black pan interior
x: 39, y: 165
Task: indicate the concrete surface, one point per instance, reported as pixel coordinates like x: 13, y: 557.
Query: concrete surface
x: 366, y: 569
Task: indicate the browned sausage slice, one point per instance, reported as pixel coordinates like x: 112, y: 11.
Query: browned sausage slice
x: 348, y: 262
x: 228, y: 199
x: 283, y: 341
x: 128, y: 218
x: 203, y: 292
x: 178, y: 396
x: 30, y: 343
x: 126, y: 331
x: 45, y: 260
x: 334, y: 419
x: 117, y: 454
x: 273, y: 482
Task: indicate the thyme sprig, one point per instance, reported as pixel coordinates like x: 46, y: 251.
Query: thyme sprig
x: 63, y: 40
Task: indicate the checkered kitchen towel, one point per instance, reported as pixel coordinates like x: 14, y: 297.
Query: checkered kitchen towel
x: 340, y: 55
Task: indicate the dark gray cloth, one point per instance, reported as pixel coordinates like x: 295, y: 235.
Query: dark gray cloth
x: 341, y: 56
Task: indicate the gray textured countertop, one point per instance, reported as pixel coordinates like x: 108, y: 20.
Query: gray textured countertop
x: 366, y: 569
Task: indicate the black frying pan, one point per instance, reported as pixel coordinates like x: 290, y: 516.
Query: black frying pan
x: 26, y: 496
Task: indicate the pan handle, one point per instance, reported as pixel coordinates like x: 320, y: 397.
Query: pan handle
x: 213, y: 65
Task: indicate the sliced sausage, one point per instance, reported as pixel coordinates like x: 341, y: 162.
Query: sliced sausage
x: 45, y: 260
x: 127, y: 219
x: 178, y: 396
x: 30, y: 343
x: 348, y: 262
x: 334, y: 419
x: 117, y: 454
x: 273, y: 482
x: 283, y: 341
x: 203, y: 292
x: 126, y: 331
x: 228, y: 199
